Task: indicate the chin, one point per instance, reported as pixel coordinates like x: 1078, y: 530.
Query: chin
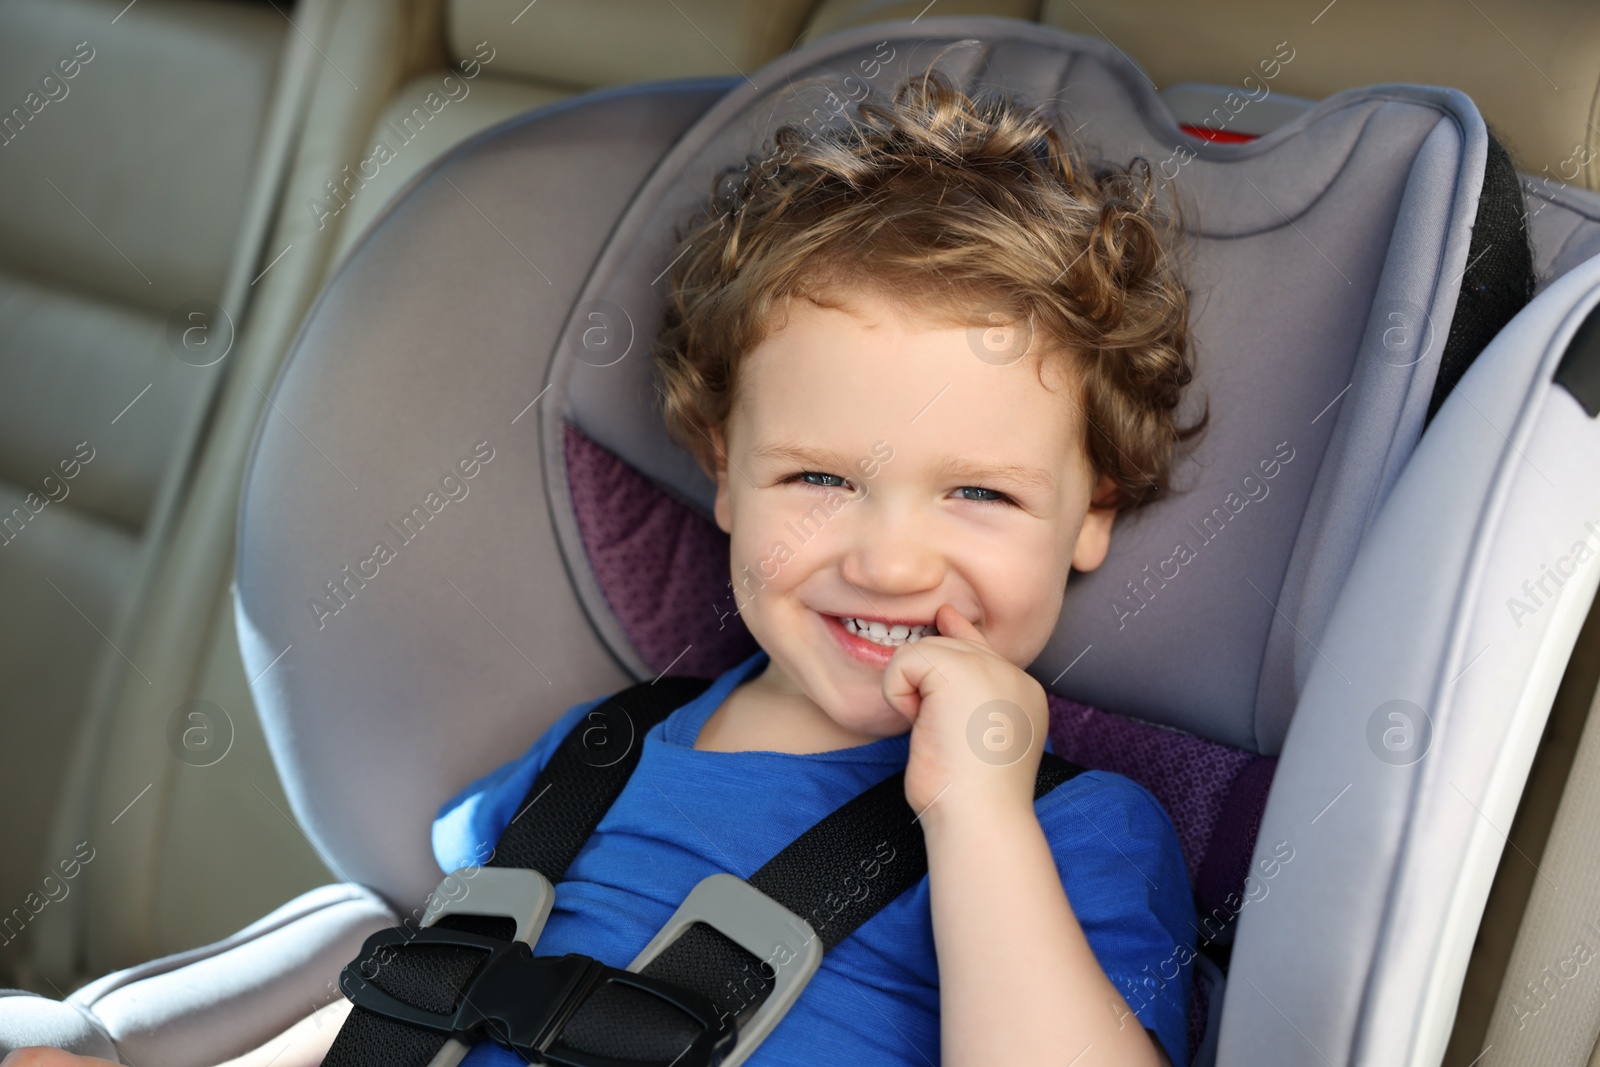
x: 852, y: 703
x: 883, y: 721
x: 865, y: 712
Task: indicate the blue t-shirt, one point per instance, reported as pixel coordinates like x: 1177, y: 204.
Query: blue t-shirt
x: 686, y: 814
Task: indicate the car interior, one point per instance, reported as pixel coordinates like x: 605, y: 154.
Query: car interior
x: 312, y: 256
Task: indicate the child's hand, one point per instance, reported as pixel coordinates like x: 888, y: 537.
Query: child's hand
x: 978, y: 721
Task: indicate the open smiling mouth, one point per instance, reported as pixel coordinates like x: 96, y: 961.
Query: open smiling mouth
x: 891, y: 634
x: 873, y: 641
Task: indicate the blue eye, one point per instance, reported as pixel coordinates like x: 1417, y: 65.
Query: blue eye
x: 994, y: 497
x: 837, y: 483
x: 823, y: 480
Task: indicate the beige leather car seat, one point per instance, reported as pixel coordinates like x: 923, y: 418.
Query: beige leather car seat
x: 163, y: 831
x: 518, y: 57
x: 1532, y: 69
x: 188, y: 849
x: 127, y: 196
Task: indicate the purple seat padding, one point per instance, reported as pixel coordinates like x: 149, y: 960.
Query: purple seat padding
x: 1214, y: 793
x: 1199, y: 1008
x: 663, y: 569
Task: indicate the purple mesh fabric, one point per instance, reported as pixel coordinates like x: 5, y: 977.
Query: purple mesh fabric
x: 663, y: 568
x: 664, y: 572
x: 1188, y: 774
x: 1199, y: 1008
x: 1226, y: 862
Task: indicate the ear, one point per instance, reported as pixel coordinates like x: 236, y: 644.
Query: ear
x: 1094, y: 537
x: 721, y: 509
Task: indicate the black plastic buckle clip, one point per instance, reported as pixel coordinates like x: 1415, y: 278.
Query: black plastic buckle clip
x: 523, y: 1001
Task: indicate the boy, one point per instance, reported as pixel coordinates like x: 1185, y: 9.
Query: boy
x: 927, y: 360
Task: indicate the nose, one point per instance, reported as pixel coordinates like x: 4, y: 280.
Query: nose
x: 890, y: 549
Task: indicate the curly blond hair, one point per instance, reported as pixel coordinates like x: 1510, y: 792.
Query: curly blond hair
x: 973, y: 210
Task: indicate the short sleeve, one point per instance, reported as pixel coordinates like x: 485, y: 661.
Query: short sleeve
x: 470, y: 823
x: 1124, y: 875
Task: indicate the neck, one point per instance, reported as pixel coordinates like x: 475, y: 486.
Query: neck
x: 767, y: 713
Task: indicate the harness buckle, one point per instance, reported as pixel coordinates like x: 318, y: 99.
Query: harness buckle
x: 523, y: 1001
x: 762, y: 927
x: 522, y: 895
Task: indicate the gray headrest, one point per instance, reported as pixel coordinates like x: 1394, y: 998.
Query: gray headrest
x: 1329, y: 255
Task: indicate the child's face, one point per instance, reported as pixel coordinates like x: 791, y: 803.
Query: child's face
x: 894, y: 430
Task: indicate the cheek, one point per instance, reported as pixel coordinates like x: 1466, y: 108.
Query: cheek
x: 1021, y: 584
x: 781, y: 536
x: 1014, y: 598
x: 763, y: 556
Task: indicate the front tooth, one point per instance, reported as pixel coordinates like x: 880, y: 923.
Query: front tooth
x: 879, y: 630
x: 899, y: 632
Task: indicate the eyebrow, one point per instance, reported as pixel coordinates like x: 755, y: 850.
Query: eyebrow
x: 1030, y: 477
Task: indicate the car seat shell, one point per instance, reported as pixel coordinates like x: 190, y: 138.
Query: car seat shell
x: 443, y: 219
x: 1379, y: 183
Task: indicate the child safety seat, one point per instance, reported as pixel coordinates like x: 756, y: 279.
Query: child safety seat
x: 1306, y: 655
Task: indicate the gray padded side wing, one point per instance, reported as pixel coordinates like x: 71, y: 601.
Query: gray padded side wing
x: 1405, y: 761
x: 218, y: 1001
x: 212, y: 1003
x: 383, y: 687
x: 28, y: 1020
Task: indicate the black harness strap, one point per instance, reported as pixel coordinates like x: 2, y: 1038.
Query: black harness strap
x: 585, y: 773
x: 836, y: 876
